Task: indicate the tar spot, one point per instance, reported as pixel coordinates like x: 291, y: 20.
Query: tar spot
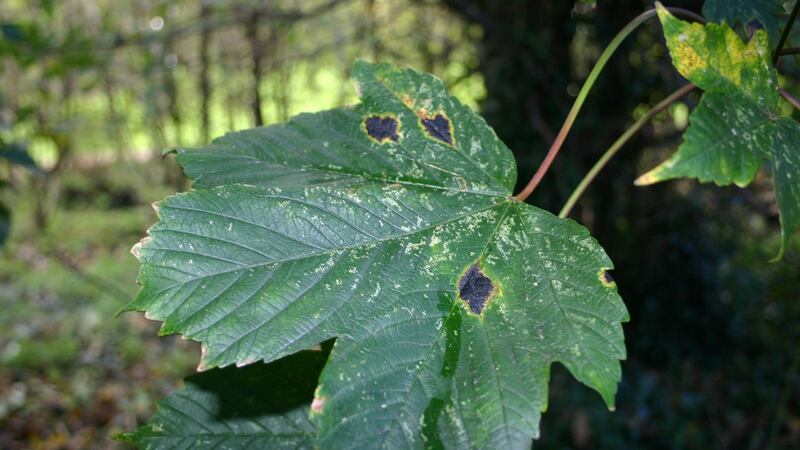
x: 475, y: 289
x: 753, y: 26
x: 438, y: 127
x: 381, y: 128
x: 606, y: 278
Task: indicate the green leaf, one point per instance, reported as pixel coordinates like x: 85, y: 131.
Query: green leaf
x: 786, y: 171
x: 725, y: 143
x: 737, y: 124
x: 332, y: 146
x: 739, y: 13
x: 389, y: 226
x: 18, y: 154
x: 261, y: 405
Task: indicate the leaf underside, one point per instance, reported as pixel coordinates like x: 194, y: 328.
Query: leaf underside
x: 736, y: 126
x: 389, y: 226
x: 258, y: 406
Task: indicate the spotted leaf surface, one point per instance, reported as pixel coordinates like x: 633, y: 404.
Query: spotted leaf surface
x: 389, y: 226
x: 736, y: 126
x: 747, y: 14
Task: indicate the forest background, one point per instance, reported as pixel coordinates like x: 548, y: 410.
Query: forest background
x: 92, y: 92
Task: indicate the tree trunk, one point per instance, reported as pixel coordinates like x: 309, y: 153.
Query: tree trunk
x: 256, y: 54
x: 205, y: 84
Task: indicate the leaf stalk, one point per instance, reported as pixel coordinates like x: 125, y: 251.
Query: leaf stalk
x: 587, y: 87
x: 785, y: 34
x: 790, y: 98
x: 618, y: 144
x: 789, y: 51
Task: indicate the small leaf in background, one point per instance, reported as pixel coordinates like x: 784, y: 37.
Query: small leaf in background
x: 389, y: 226
x: 259, y: 406
x: 736, y: 126
x: 18, y: 154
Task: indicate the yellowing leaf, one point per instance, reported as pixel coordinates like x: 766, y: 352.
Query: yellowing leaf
x: 736, y: 126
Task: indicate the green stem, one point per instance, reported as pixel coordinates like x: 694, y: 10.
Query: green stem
x: 785, y: 34
x: 617, y: 145
x: 587, y: 86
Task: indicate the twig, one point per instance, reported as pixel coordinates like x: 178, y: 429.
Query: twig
x: 618, y: 144
x: 785, y: 34
x: 790, y: 98
x: 587, y: 86
x: 100, y: 283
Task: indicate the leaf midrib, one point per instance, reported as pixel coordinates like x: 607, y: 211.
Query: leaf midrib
x: 453, y: 310
x: 309, y: 255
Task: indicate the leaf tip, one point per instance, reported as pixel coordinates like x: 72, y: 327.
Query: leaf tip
x: 319, y: 401
x: 782, y: 249
x: 168, y: 151
x: 136, y: 250
x: 662, y: 11
x: 204, y: 363
x: 126, y: 437
x: 646, y: 179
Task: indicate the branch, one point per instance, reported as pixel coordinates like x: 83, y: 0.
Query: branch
x: 215, y: 23
x: 785, y: 34
x: 587, y: 86
x: 790, y: 98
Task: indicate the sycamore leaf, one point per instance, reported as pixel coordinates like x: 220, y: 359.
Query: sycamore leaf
x: 785, y: 164
x: 719, y: 144
x: 736, y: 126
x: 258, y: 406
x: 389, y: 226
x: 715, y: 59
x: 741, y: 13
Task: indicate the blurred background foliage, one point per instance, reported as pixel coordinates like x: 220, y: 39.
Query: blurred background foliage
x: 93, y: 90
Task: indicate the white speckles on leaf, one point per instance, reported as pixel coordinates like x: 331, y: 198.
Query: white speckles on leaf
x: 301, y: 232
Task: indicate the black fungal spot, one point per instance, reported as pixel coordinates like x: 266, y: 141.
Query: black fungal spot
x: 606, y: 277
x: 381, y: 128
x: 475, y: 289
x: 438, y: 127
x: 753, y: 26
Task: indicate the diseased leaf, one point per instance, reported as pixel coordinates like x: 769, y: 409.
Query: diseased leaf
x: 258, y: 406
x: 332, y: 146
x: 726, y: 142
x: 786, y: 171
x: 715, y: 59
x: 740, y: 13
x: 389, y: 226
x: 736, y: 126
